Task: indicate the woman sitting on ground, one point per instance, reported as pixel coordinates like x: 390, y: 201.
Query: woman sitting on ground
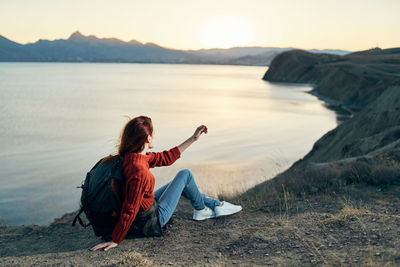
x: 137, y: 137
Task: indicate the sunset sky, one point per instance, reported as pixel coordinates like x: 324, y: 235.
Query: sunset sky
x: 188, y: 24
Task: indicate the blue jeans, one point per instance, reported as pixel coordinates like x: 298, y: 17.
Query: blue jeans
x: 183, y: 184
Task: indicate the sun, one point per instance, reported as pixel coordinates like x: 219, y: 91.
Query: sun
x: 226, y: 32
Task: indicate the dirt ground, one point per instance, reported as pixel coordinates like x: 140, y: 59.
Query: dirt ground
x: 321, y: 231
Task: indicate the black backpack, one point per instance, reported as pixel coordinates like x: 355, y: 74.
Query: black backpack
x: 102, y: 196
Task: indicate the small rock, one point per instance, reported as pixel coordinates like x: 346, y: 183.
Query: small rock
x: 377, y: 254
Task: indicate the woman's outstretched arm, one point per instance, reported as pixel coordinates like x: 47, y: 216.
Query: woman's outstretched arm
x: 201, y: 129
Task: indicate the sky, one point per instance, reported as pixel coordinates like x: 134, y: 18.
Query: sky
x: 188, y: 24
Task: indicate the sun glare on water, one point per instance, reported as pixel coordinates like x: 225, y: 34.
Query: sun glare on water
x: 226, y: 32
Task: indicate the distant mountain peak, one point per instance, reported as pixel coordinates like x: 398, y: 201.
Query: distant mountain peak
x: 133, y: 41
x: 5, y: 41
x: 152, y: 44
x: 77, y: 36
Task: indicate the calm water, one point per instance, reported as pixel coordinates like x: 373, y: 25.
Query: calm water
x: 58, y: 119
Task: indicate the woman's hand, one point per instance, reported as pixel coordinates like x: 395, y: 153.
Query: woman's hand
x: 106, y: 246
x: 201, y: 129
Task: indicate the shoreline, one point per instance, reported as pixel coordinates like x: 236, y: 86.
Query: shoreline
x: 341, y: 110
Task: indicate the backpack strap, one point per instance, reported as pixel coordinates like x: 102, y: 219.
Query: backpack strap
x: 117, y: 169
x: 77, y: 217
x: 97, y: 164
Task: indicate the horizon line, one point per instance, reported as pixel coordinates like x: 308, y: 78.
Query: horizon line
x: 166, y: 47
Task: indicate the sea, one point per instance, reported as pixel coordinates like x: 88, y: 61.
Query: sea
x: 58, y: 119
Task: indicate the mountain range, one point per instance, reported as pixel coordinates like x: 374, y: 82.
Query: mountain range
x: 81, y: 48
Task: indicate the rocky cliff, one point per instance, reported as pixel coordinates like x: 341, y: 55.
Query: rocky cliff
x: 362, y: 150
x: 366, y: 81
x: 353, y: 80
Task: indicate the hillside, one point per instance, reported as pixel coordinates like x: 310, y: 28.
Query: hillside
x: 368, y: 81
x: 364, y: 149
x: 353, y: 80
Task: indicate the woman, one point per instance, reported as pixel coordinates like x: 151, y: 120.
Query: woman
x: 137, y: 137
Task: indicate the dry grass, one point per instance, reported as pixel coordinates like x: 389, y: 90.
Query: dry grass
x: 350, y: 212
x: 132, y: 258
x: 348, y: 182
x: 303, y: 181
x: 347, y: 213
x: 321, y: 239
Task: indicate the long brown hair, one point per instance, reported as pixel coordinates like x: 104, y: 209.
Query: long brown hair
x: 133, y: 136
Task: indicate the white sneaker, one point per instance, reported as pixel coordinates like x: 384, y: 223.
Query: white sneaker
x: 203, y: 214
x: 226, y: 209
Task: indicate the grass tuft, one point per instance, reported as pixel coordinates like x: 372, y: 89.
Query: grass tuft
x: 307, y: 180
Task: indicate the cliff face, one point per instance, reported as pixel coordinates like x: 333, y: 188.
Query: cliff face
x: 366, y: 81
x: 353, y: 80
x: 372, y: 131
x: 361, y: 153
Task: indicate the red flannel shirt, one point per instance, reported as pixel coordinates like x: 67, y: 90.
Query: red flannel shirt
x: 139, y: 186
